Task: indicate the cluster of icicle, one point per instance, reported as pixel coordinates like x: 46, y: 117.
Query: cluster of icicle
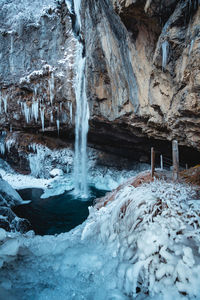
x: 35, y: 110
x: 5, y: 145
x: 154, y: 229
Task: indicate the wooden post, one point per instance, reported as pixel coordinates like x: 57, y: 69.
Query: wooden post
x: 175, y: 156
x: 161, y: 162
x: 152, y: 162
x: 186, y: 166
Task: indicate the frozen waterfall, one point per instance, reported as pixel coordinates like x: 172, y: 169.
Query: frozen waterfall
x: 165, y: 49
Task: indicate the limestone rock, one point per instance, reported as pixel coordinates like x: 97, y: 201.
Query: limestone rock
x: 36, y: 72
x: 143, y: 61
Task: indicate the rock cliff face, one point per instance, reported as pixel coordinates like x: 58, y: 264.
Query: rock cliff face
x: 143, y: 75
x: 142, y: 72
x: 36, y: 71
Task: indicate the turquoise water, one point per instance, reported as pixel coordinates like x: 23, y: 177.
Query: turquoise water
x: 55, y: 214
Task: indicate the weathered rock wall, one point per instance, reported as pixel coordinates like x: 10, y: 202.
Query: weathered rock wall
x: 37, y: 49
x: 143, y: 75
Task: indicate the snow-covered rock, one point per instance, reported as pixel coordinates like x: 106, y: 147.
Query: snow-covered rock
x: 144, y: 242
x: 8, y: 219
x: 56, y: 172
x: 8, y: 195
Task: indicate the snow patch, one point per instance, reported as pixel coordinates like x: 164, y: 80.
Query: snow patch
x: 146, y: 238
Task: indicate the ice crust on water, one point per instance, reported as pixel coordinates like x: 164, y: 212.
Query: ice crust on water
x: 146, y: 237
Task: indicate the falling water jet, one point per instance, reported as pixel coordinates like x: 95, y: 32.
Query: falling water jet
x: 81, y: 129
x: 82, y: 113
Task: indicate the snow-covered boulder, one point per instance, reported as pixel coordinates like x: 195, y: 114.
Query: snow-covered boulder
x: 8, y: 196
x: 8, y: 199
x: 56, y: 172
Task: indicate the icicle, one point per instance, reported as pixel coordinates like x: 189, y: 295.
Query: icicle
x: 70, y: 110
x: 77, y: 6
x: 35, y: 92
x: 27, y: 113
x: 2, y: 148
x: 11, y: 52
x: 10, y: 127
x: 69, y: 5
x: 35, y: 109
x: 9, y: 143
x: 58, y: 126
x: 51, y: 87
x: 5, y: 103
x: 191, y: 46
x: 36, y: 159
x: 51, y: 117
x: 165, y: 48
x: 60, y: 106
x: 42, y: 117
x: 161, y: 162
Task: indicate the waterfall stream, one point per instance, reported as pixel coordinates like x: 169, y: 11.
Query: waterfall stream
x: 82, y: 115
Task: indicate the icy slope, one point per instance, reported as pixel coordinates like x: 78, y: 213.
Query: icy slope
x: 144, y: 242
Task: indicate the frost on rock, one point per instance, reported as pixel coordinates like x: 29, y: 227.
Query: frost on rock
x: 155, y: 232
x: 43, y: 160
x: 17, y: 11
x: 8, y: 195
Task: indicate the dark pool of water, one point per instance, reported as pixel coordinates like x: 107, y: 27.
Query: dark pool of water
x: 55, y: 214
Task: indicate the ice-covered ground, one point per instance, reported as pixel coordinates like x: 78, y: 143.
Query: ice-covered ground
x: 146, y: 239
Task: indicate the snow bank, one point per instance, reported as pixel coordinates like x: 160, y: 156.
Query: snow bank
x: 155, y: 231
x: 143, y: 243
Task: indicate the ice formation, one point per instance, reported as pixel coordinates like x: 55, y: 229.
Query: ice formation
x: 35, y: 110
x: 165, y: 49
x: 29, y: 11
x: 43, y: 160
x: 42, y: 117
x: 58, y: 126
x: 5, y: 99
x: 51, y: 87
x: 191, y: 46
x: 154, y: 230
x: 71, y: 112
x: 143, y: 243
x: 11, y: 57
